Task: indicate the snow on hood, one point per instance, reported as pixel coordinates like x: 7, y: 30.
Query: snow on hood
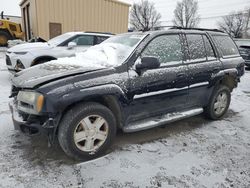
x: 40, y: 74
x: 95, y: 58
x: 29, y: 47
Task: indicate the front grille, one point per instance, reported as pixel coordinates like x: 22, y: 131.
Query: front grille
x: 8, y: 62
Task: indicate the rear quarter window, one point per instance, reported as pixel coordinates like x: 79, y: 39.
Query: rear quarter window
x: 226, y: 45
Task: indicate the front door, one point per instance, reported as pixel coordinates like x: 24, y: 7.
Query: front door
x: 161, y: 90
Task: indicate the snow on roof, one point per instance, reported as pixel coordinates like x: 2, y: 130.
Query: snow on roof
x: 72, y: 33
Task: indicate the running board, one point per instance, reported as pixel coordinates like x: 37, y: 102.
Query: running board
x: 161, y: 120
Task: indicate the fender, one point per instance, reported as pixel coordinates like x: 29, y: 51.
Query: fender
x: 217, y: 77
x: 59, y: 104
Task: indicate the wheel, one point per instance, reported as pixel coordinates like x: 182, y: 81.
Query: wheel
x: 86, y: 131
x: 218, y: 103
x: 4, y: 37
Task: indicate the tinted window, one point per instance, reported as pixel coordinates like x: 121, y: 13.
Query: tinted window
x: 209, y: 48
x: 100, y: 39
x: 226, y: 45
x: 166, y: 48
x: 84, y: 40
x: 196, y: 47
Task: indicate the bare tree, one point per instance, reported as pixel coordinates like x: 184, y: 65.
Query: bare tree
x: 186, y: 14
x: 144, y: 17
x: 247, y: 23
x: 233, y: 24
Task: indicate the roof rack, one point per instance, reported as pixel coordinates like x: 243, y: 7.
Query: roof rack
x: 200, y: 29
x: 107, y: 33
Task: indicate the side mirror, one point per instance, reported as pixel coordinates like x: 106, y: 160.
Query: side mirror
x: 149, y: 62
x: 71, y: 45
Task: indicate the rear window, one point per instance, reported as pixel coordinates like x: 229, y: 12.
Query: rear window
x: 226, y: 45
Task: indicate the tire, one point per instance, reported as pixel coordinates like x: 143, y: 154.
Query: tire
x: 4, y: 37
x: 77, y: 136
x: 218, y: 103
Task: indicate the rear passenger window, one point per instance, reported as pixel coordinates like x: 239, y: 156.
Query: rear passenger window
x: 226, y: 45
x: 100, y: 39
x: 167, y: 48
x: 209, y: 48
x: 196, y: 47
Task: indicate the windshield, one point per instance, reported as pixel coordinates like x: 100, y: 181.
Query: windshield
x: 115, y: 50
x: 59, y: 39
x: 112, y: 52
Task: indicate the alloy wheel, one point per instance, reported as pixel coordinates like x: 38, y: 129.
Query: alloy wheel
x: 91, y: 133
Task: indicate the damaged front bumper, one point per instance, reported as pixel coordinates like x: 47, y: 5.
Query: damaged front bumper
x: 31, y: 126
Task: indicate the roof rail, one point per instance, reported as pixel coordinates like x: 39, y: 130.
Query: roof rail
x: 200, y: 29
x: 107, y: 33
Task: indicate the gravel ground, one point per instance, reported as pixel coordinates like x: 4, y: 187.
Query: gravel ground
x: 190, y: 153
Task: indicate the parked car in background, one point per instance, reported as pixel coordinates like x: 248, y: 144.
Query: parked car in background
x: 244, y: 48
x: 132, y: 82
x: 26, y: 55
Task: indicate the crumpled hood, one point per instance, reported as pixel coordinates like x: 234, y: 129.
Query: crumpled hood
x: 29, y: 47
x: 31, y: 77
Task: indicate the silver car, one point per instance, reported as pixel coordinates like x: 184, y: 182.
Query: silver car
x: 23, y: 56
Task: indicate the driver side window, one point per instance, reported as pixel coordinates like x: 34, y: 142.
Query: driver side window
x: 167, y: 48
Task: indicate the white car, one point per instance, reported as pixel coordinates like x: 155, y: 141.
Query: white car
x: 23, y: 56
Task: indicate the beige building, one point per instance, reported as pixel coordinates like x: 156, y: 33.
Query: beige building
x: 49, y: 18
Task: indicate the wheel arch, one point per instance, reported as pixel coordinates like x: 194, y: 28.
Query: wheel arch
x: 37, y: 59
x: 112, y: 97
x: 227, y: 77
x: 109, y: 101
x: 7, y: 31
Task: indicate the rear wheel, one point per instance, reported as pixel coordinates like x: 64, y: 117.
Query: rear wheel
x: 86, y: 131
x: 4, y: 37
x: 219, y: 103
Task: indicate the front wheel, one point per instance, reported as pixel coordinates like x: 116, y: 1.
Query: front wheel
x: 86, y: 131
x: 218, y: 103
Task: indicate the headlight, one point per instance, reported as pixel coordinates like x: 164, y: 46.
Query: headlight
x: 30, y: 102
x: 20, y: 53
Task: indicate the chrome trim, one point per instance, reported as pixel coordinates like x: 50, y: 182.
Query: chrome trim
x: 199, y: 84
x: 161, y: 120
x: 158, y: 92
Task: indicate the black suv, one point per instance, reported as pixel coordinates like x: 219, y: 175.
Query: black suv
x: 132, y: 81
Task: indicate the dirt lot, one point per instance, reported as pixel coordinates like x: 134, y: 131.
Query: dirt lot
x: 189, y: 153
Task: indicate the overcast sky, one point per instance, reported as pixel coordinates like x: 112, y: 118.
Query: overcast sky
x: 210, y: 11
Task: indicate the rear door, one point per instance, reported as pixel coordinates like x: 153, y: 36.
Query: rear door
x: 163, y: 89
x: 202, y: 64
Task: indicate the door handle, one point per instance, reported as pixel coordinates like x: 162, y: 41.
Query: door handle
x: 181, y: 75
x: 215, y: 70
